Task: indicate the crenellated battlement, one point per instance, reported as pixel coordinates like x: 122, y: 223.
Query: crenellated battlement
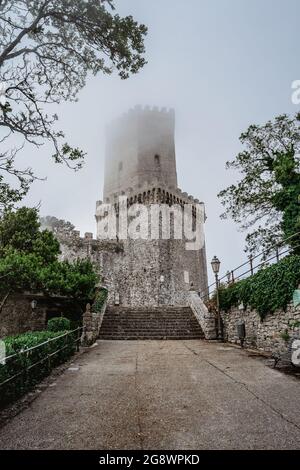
x: 152, y: 193
x: 138, y: 110
x: 149, y: 196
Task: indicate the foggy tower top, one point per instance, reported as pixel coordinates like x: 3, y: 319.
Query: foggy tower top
x: 140, y: 149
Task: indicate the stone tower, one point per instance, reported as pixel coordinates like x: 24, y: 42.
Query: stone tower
x: 140, y: 150
x: 140, y: 163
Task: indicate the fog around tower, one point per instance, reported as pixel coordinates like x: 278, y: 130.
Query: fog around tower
x: 221, y: 65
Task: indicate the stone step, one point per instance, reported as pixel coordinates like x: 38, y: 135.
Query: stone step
x: 153, y: 335
x: 160, y: 323
x: 147, y: 314
x: 144, y: 314
x: 145, y: 330
x: 148, y: 309
x: 147, y: 322
x: 156, y: 337
x: 109, y: 321
x: 150, y: 331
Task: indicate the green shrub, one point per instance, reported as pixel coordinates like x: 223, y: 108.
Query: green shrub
x: 59, y: 324
x: 32, y: 365
x: 29, y: 260
x: 269, y: 289
x: 285, y: 336
x: 100, y: 298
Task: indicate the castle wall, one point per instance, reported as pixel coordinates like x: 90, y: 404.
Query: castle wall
x: 17, y: 315
x: 141, y: 272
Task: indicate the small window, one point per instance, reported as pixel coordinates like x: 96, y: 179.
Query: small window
x: 157, y: 159
x: 120, y: 166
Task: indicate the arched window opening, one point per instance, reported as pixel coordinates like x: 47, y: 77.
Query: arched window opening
x: 157, y: 159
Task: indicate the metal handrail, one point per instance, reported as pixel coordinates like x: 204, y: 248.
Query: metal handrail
x: 205, y: 292
x: 23, y: 351
x: 47, y: 356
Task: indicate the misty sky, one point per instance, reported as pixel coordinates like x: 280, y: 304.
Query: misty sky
x: 222, y: 64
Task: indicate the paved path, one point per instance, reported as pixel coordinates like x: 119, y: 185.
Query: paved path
x: 162, y: 395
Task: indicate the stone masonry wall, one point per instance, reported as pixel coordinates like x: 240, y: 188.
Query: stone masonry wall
x: 263, y: 335
x: 205, y: 318
x: 17, y: 315
x: 91, y: 322
x: 139, y: 272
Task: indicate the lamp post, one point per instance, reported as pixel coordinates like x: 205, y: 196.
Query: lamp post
x: 215, y: 264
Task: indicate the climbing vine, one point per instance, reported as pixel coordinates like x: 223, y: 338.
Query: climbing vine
x: 100, y: 298
x: 269, y: 289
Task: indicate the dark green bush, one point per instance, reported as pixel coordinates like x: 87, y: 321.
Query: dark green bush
x: 269, y: 289
x: 30, y: 367
x: 58, y: 324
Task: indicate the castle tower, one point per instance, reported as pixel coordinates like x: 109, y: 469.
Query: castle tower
x: 140, y: 150
x: 141, y: 164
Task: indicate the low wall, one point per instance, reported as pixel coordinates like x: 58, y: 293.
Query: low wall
x: 17, y: 315
x: 91, y: 322
x: 205, y: 318
x: 264, y: 335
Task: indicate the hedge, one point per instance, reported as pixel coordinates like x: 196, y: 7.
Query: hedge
x: 23, y: 366
x: 269, y: 289
x: 58, y: 324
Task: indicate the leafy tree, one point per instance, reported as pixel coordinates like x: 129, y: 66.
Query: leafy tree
x: 77, y: 279
x: 18, y: 229
x: 266, y: 197
x: 47, y: 50
x: 29, y: 260
x: 57, y: 226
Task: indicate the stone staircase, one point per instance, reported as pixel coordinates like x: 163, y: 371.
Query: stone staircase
x: 151, y: 323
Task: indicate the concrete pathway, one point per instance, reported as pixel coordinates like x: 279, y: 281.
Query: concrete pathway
x: 162, y: 395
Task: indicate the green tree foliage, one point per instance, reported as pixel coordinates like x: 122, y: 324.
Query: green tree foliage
x: 48, y: 48
x: 29, y: 259
x: 57, y: 226
x: 266, y: 197
x: 269, y: 289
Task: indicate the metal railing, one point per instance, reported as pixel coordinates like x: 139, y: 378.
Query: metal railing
x: 271, y: 255
x: 47, y: 356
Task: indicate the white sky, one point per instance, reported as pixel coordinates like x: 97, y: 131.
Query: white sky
x: 222, y: 64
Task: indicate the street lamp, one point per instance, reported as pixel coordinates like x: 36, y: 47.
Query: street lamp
x: 215, y: 264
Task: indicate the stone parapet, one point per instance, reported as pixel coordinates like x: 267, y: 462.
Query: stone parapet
x: 205, y: 318
x: 91, y: 322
